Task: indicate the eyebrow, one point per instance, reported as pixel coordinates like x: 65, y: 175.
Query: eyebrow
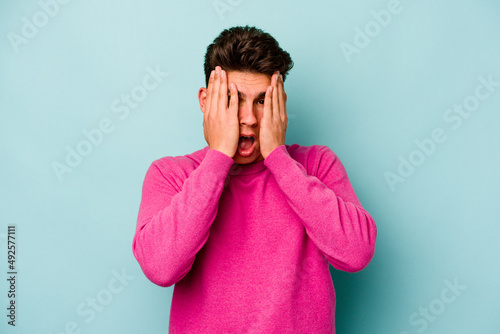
x: 261, y: 95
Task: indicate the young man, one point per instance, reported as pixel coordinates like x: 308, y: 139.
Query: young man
x: 246, y: 227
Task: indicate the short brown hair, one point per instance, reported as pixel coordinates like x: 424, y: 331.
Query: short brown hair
x: 246, y: 49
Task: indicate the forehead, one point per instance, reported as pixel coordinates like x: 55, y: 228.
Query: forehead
x: 249, y: 83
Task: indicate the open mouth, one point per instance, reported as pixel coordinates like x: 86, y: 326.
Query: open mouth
x: 246, y: 145
x: 248, y: 138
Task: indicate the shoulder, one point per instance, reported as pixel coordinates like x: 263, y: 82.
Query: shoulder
x: 177, y: 168
x: 184, y: 161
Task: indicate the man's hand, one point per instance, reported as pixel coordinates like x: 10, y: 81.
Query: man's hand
x: 220, y: 122
x: 275, y: 120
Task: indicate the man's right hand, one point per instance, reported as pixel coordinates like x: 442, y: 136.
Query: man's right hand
x: 220, y: 122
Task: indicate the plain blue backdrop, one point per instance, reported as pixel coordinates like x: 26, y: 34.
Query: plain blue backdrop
x: 406, y: 93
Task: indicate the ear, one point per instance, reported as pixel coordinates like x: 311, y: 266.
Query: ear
x: 202, y: 97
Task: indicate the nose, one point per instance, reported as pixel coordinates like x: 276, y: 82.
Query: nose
x: 247, y: 114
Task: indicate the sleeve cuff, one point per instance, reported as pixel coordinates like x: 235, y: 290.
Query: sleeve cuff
x: 276, y: 160
x: 218, y: 162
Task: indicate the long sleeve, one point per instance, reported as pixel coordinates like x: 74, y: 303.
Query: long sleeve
x: 328, y: 207
x: 173, y: 224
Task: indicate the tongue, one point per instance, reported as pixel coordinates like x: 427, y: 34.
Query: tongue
x: 245, y: 143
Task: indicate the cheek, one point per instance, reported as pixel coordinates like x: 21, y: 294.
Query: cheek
x: 260, y: 113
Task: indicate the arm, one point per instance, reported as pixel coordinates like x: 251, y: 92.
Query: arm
x: 173, y: 225
x: 330, y: 210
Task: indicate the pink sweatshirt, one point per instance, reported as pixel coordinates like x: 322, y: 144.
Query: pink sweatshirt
x: 248, y: 246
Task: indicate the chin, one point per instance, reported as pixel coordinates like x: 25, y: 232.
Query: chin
x: 255, y: 157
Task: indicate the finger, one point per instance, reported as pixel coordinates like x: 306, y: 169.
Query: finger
x: 281, y: 98
x: 223, y: 91
x: 276, y: 105
x: 209, y: 92
x: 233, y: 102
x: 215, y: 92
x: 268, y: 102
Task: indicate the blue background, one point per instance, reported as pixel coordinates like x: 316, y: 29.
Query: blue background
x: 74, y: 235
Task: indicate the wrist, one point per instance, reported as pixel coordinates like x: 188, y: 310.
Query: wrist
x: 222, y: 151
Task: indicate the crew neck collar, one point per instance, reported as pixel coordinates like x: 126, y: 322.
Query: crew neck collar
x: 240, y: 169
